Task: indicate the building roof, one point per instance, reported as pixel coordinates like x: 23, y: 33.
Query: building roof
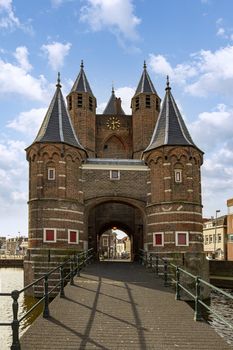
x: 170, y: 128
x: 113, y: 106
x: 57, y: 126
x: 81, y: 83
x: 145, y: 84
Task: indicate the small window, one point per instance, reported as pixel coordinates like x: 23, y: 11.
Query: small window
x: 114, y: 175
x: 137, y: 103
x: 70, y: 102
x: 182, y: 239
x: 211, y: 238
x: 157, y: 104
x: 50, y: 235
x: 105, y: 242
x: 73, y: 237
x: 90, y: 103
x: 147, y: 101
x: 178, y: 175
x: 51, y: 173
x: 158, y: 239
x: 230, y: 238
x: 219, y: 238
x: 80, y: 101
x: 206, y: 239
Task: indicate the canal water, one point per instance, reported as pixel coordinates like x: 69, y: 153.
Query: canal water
x: 12, y: 278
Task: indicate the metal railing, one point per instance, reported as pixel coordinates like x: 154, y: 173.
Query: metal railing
x: 74, y: 265
x: 167, y: 270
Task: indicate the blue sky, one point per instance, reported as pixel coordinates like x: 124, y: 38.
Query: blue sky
x: 191, y: 40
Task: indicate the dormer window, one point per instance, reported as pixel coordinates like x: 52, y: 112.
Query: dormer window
x: 80, y: 101
x: 51, y: 173
x: 147, y: 101
x: 137, y: 103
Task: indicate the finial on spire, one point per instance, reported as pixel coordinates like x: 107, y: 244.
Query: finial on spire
x: 144, y: 65
x: 58, y: 80
x: 113, y: 91
x: 168, y: 84
x: 82, y: 65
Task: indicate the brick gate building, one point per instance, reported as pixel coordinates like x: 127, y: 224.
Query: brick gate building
x: 89, y: 172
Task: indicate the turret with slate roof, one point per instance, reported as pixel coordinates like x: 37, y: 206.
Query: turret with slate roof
x: 82, y: 108
x: 170, y: 128
x: 57, y: 126
x: 113, y: 106
x: 145, y: 109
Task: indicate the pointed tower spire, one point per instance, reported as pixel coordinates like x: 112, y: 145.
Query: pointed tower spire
x: 170, y: 128
x: 57, y: 126
x: 145, y: 84
x: 81, y: 84
x: 114, y: 105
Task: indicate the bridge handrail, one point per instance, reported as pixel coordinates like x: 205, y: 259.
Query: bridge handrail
x: 74, y: 263
x: 164, y: 262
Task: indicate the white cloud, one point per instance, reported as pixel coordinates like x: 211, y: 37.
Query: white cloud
x: 21, y: 54
x: 206, y: 71
x: 16, y: 80
x: 221, y: 32
x: 28, y: 122
x: 7, y: 16
x: 56, y: 53
x: 115, y: 15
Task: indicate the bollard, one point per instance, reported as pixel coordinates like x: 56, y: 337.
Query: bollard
x: 15, y: 323
x: 46, y: 297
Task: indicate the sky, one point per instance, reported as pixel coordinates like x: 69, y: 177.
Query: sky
x: 189, y: 40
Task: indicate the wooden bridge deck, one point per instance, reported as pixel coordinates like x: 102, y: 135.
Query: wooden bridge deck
x: 120, y: 306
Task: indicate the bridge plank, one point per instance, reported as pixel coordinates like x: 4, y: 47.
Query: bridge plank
x: 120, y: 306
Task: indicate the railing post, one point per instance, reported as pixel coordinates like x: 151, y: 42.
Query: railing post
x: 150, y: 260
x: 197, y: 314
x: 46, y: 297
x: 165, y: 274
x: 78, y: 268
x: 157, y: 265
x: 62, y: 293
x: 15, y: 323
x: 71, y: 272
x: 177, y: 283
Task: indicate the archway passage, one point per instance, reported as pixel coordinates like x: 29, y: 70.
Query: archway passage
x: 114, y: 245
x: 111, y: 216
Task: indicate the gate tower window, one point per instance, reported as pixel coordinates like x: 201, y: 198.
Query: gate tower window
x: 114, y: 174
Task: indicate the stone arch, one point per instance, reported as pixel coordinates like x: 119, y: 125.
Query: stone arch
x: 126, y: 214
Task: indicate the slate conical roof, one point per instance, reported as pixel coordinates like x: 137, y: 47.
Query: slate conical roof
x: 112, y: 107
x: 145, y: 84
x: 170, y: 128
x: 81, y: 83
x: 57, y: 126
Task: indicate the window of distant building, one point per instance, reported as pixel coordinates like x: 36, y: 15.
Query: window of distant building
x: 137, y: 103
x: 148, y: 101
x: 211, y: 239
x: 105, y: 241
x: 178, y: 175
x: 70, y: 102
x: 80, y: 101
x: 114, y: 174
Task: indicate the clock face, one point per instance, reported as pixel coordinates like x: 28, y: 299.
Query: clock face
x: 113, y: 123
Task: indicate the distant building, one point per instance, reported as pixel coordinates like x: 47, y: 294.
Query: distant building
x: 230, y: 229
x: 107, y: 245
x: 215, y: 238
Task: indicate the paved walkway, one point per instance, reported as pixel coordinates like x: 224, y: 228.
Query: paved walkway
x: 120, y: 306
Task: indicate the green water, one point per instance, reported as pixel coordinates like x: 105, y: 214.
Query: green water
x: 10, y: 279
